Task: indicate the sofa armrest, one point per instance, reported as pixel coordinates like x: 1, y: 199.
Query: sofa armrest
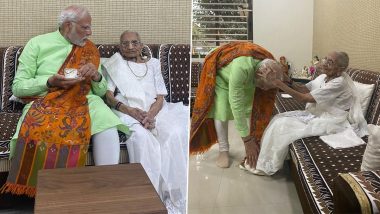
x: 9, y: 64
x: 357, y: 192
x: 8, y: 123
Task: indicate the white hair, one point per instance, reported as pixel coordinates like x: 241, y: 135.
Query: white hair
x: 71, y: 13
x: 267, y: 72
x: 272, y: 67
x: 128, y: 31
x: 268, y: 63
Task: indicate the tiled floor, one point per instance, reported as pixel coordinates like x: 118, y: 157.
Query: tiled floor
x: 231, y: 190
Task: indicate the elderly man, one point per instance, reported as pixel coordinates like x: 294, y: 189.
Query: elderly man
x: 333, y: 106
x: 62, y: 113
x: 233, y: 86
x: 159, y: 140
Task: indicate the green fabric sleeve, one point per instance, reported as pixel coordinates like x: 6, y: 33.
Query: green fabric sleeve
x: 26, y: 82
x: 239, y: 78
x: 99, y: 88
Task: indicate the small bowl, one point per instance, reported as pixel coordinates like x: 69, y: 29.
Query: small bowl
x: 71, y: 73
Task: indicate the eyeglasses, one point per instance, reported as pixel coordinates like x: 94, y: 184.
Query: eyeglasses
x: 134, y: 43
x: 328, y: 62
x: 84, y: 27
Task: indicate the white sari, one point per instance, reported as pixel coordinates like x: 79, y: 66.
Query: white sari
x: 336, y: 111
x: 162, y: 151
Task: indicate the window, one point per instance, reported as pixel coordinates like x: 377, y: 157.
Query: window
x: 217, y: 22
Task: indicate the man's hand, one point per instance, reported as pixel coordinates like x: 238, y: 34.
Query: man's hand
x: 60, y: 81
x: 89, y: 71
x: 252, y: 150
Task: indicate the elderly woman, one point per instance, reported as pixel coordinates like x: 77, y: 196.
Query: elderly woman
x: 233, y: 86
x: 159, y: 139
x: 333, y: 106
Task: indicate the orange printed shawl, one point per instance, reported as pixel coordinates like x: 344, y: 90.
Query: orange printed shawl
x: 202, y: 132
x: 56, y: 130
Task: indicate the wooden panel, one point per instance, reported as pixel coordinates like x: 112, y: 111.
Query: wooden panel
x: 121, y: 188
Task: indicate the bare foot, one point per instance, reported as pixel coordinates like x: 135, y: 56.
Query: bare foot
x: 223, y: 160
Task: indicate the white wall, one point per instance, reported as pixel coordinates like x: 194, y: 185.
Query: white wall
x: 285, y: 28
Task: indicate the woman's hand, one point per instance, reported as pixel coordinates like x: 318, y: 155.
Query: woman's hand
x: 276, y: 83
x: 149, y: 122
x: 286, y: 78
x: 136, y: 113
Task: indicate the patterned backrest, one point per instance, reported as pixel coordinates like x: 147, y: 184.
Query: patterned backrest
x: 352, y: 71
x: 196, y: 68
x: 369, y: 77
x: 9, y: 62
x: 164, y: 60
x: 178, y: 73
x: 108, y: 50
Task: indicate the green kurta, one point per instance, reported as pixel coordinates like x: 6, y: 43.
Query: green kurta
x: 41, y: 58
x: 234, y: 90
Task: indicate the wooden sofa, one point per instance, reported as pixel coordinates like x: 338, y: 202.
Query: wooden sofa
x: 175, y: 66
